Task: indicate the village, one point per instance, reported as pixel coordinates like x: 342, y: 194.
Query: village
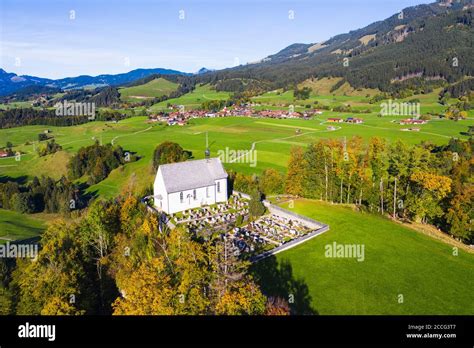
x: 181, y: 117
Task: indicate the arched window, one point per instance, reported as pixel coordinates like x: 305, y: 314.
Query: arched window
x: 194, y: 195
x: 218, y: 186
x: 181, y: 198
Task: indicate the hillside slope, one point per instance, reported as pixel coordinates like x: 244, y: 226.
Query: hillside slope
x: 424, y: 44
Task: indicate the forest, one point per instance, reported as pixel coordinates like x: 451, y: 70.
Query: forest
x: 97, y: 161
x: 424, y: 183
x: 120, y: 259
x: 41, y: 195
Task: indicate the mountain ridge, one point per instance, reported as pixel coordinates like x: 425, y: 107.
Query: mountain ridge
x: 8, y: 84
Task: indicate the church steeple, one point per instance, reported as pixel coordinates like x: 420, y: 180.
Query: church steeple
x: 207, y: 152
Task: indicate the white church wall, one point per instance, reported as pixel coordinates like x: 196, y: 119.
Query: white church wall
x: 203, y: 197
x: 222, y: 195
x: 159, y: 190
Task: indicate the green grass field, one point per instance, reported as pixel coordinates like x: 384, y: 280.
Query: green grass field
x: 155, y: 88
x: 345, y: 95
x: 14, y: 105
x: 273, y: 140
x: 192, y: 100
x: 398, y: 261
x: 15, y: 226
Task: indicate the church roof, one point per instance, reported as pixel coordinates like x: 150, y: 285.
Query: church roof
x: 189, y: 175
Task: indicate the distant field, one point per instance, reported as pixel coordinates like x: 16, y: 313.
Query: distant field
x: 194, y: 99
x: 15, y: 226
x: 273, y: 140
x: 155, y: 88
x: 398, y: 261
x: 13, y: 105
x: 324, y: 86
x: 344, y: 96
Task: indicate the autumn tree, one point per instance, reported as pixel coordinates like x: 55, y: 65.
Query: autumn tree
x: 271, y: 182
x: 57, y: 282
x: 295, y: 176
x: 168, y: 152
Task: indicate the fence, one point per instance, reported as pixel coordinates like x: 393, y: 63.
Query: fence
x: 318, y: 226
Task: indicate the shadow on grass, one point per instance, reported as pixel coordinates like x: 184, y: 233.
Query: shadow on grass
x: 276, y: 279
x: 21, y: 180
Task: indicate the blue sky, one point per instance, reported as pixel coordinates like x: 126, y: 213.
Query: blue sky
x: 39, y: 37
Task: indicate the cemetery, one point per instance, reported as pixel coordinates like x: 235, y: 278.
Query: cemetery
x: 245, y: 237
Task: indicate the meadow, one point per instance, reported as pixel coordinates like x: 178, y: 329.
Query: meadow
x: 192, y: 100
x: 154, y: 88
x: 19, y: 226
x: 430, y: 278
x: 271, y: 138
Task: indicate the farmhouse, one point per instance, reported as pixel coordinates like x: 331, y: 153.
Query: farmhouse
x: 335, y: 119
x: 354, y: 120
x: 191, y: 184
x: 413, y: 121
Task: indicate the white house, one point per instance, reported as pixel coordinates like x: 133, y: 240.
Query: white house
x: 189, y: 184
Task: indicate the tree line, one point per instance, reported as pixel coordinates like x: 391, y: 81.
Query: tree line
x: 424, y: 183
x: 97, y: 161
x: 28, y: 116
x: 41, y: 195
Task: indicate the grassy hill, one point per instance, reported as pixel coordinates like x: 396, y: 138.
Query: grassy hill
x: 15, y: 226
x: 152, y: 89
x: 424, y: 40
x: 324, y: 86
x: 398, y: 261
x: 194, y: 99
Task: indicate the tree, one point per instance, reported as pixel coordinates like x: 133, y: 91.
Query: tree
x: 146, y: 292
x: 168, y: 152
x: 277, y: 306
x: 460, y: 215
x: 302, y: 94
x: 241, y: 299
x: 295, y: 175
x: 22, y: 202
x: 425, y: 195
x: 58, y: 279
x: 256, y: 207
x: 6, y: 302
x: 271, y: 181
x: 98, y: 229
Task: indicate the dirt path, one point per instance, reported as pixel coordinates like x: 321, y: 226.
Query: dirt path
x: 127, y: 135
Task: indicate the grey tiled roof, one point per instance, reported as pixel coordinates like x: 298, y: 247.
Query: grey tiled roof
x: 192, y: 174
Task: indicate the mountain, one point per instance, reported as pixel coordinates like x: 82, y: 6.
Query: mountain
x: 421, y: 45
x: 204, y: 70
x: 10, y: 82
x: 419, y: 48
